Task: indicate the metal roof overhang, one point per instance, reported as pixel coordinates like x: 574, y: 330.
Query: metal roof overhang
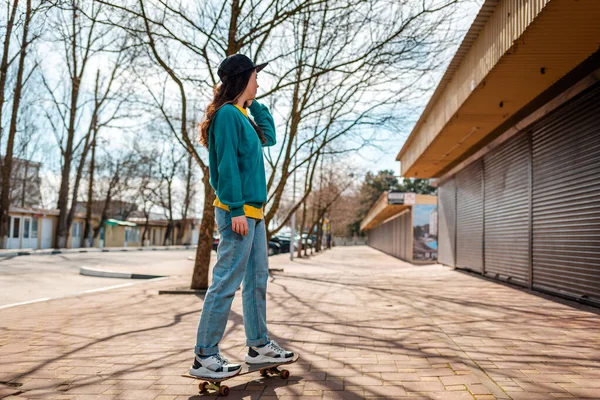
x: 381, y: 211
x: 113, y: 222
x: 514, y: 51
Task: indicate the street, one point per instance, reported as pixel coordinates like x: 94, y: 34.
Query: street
x: 36, y: 277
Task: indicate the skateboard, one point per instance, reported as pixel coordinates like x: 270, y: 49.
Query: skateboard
x: 266, y: 370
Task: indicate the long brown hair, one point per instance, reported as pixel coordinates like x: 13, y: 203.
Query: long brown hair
x: 227, y: 93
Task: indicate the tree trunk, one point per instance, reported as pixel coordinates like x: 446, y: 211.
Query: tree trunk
x: 312, y: 228
x: 109, y: 194
x: 187, y: 201
x: 7, y: 162
x: 4, y: 64
x: 103, y: 217
x: 62, y: 228
x: 302, y: 224
x: 88, y: 240
x: 207, y: 226
x: 146, y: 234
x: 92, y: 132
x: 319, y: 235
x: 232, y: 44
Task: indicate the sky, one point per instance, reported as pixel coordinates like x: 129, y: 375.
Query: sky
x: 384, y: 157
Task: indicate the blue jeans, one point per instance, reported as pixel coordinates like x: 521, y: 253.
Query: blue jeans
x: 239, y: 258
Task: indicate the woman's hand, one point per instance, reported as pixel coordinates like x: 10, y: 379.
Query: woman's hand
x: 240, y: 225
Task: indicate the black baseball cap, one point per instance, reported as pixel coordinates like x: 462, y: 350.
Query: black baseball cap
x: 236, y: 64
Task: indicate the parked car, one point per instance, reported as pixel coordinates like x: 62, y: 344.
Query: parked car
x: 283, y: 241
x: 274, y: 248
x: 216, y: 239
x: 307, y: 241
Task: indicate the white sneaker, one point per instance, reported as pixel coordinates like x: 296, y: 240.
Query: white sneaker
x: 216, y: 367
x: 271, y: 353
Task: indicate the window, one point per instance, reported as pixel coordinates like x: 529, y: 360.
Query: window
x: 77, y: 229
x: 34, y: 228
x: 16, y: 227
x: 26, y: 227
x: 132, y: 234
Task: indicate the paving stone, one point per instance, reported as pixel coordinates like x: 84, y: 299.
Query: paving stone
x: 366, y: 325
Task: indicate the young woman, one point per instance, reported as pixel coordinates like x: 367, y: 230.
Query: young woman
x: 237, y: 174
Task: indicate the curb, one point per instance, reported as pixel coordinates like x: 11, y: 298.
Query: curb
x: 182, y: 291
x: 114, y: 274
x: 201, y: 291
x: 30, y: 252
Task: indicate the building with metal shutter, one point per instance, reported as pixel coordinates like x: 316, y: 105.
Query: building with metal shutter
x: 404, y: 225
x: 512, y: 136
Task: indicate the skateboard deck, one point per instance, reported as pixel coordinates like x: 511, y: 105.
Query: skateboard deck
x: 266, y: 370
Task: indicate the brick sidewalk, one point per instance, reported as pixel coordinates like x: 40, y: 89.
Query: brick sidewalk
x: 365, y: 324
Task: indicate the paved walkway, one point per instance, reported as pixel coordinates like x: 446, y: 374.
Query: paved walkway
x: 365, y: 324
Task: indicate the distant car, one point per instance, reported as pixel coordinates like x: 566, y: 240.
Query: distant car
x: 283, y: 241
x: 216, y: 239
x: 274, y: 248
x: 307, y: 241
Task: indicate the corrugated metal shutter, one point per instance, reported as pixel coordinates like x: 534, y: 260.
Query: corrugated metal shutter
x: 394, y: 237
x: 447, y: 222
x: 469, y: 217
x: 566, y: 198
x: 507, y: 231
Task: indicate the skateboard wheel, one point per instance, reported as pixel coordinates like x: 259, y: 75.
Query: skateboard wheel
x: 285, y: 374
x: 224, y: 390
x: 203, y: 387
x: 263, y: 373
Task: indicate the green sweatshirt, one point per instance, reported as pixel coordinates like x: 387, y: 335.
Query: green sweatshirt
x: 237, y: 169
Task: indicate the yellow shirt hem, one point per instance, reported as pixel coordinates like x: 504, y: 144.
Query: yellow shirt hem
x: 249, y: 211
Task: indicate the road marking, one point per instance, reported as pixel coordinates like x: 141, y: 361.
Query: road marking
x: 25, y: 302
x: 85, y: 292
x: 106, y: 288
x: 123, y: 285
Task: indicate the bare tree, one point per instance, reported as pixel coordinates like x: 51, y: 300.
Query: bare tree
x: 341, y: 89
x: 77, y: 29
x: 98, y: 121
x: 87, y: 234
x: 148, y: 183
x: 5, y: 63
x: 116, y: 173
x: 334, y: 182
x: 165, y: 193
x: 6, y: 162
x: 76, y: 64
